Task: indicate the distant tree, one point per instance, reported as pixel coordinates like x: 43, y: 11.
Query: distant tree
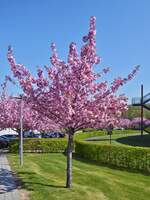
x: 136, y: 122
x: 10, y: 108
x: 134, y: 112
x: 124, y: 123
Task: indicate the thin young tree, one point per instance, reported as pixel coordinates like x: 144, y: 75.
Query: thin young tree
x: 72, y: 94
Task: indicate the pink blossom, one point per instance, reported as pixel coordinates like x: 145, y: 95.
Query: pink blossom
x: 70, y: 95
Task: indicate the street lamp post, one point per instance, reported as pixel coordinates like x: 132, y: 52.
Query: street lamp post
x: 21, y: 130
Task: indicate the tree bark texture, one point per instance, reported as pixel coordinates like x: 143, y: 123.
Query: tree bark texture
x: 69, y: 158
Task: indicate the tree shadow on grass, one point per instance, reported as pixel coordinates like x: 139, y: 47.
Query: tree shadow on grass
x: 29, y: 185
x: 135, y: 140
x: 7, y: 182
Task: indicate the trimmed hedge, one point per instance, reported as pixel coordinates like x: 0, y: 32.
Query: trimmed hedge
x: 43, y: 145
x: 48, y: 145
x: 137, y: 158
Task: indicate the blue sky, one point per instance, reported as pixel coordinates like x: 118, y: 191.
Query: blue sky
x: 123, y: 34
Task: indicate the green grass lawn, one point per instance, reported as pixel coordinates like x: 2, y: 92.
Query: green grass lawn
x: 131, y: 139
x: 44, y: 176
x: 81, y: 135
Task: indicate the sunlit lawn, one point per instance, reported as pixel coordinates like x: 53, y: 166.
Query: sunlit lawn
x: 133, y: 139
x: 44, y: 176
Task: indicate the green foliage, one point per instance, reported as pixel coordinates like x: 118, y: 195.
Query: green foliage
x: 135, y: 111
x: 40, y: 145
x: 46, y: 145
x: 56, y: 144
x: 118, y: 155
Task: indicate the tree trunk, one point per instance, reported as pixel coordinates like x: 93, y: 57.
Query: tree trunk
x: 69, y: 158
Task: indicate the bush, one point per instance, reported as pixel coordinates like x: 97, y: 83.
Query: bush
x: 40, y: 145
x: 54, y: 144
x: 137, y: 158
x: 48, y: 145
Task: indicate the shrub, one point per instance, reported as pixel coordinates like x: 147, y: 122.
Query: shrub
x: 137, y: 158
x: 40, y: 145
x: 48, y: 145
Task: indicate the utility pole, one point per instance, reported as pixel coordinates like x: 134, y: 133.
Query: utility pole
x: 21, y: 130
x: 142, y: 110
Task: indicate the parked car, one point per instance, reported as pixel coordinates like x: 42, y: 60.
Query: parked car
x: 37, y: 135
x: 32, y: 134
x: 10, y: 137
x: 28, y: 134
x: 3, y: 144
x: 54, y: 135
x: 3, y: 138
x: 59, y: 135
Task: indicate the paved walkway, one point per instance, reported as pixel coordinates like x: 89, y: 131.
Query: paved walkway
x: 8, y: 189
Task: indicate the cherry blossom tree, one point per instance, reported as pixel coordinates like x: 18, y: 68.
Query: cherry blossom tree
x: 10, y: 108
x: 136, y: 122
x: 72, y: 95
x: 125, y: 123
x: 10, y: 116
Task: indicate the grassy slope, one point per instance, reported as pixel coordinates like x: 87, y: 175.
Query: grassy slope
x: 106, y: 139
x: 133, y: 139
x: 103, y: 135
x: 44, y: 176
